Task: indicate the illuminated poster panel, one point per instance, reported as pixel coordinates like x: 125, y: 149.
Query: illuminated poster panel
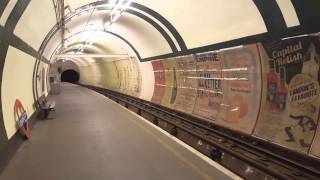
x: 209, y: 93
x: 241, y: 74
x: 171, y: 78
x: 290, y: 100
x: 160, y: 83
x: 187, y: 84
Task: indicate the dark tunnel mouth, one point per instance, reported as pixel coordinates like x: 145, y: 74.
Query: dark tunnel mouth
x: 70, y: 76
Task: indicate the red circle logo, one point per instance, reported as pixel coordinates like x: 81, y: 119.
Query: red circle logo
x: 21, y: 118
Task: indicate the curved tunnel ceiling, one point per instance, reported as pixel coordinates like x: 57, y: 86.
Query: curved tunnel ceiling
x: 153, y: 30
x: 152, y: 35
x: 144, y: 36
x: 101, y: 43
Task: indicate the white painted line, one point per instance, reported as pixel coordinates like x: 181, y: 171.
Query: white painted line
x: 59, y: 56
x: 191, y: 149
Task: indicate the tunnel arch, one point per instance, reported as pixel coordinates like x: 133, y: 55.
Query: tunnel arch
x: 155, y: 15
x: 132, y: 11
x: 107, y: 32
x: 142, y: 12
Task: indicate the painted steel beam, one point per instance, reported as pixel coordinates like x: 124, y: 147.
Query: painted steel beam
x: 61, y: 56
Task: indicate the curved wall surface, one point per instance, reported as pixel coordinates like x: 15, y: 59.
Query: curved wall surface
x: 20, y: 39
x: 16, y: 85
x: 270, y: 90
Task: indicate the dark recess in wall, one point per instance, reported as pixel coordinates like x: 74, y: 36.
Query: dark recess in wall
x: 70, y: 76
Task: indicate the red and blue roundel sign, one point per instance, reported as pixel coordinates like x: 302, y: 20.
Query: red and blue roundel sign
x: 22, y: 119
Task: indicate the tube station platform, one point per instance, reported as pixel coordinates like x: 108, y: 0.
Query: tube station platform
x: 92, y: 137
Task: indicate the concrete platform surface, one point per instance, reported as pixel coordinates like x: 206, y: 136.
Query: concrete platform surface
x: 93, y: 138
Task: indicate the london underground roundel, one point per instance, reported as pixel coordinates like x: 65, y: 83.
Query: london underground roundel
x: 21, y: 118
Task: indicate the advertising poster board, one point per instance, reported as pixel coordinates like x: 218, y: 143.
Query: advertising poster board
x: 159, y: 82
x: 171, y: 78
x: 209, y: 80
x: 111, y: 79
x: 122, y: 70
x: 129, y: 76
x: 241, y: 74
x: 134, y: 77
x: 315, y: 149
x: 187, y: 84
x: 123, y: 81
x: 290, y: 99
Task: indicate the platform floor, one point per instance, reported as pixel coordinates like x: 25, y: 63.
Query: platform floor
x: 93, y: 138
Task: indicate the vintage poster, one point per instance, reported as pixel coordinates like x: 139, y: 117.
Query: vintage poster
x: 135, y: 80
x: 123, y: 81
x: 134, y: 76
x: 113, y: 80
x: 171, y: 77
x: 209, y: 80
x: 187, y: 84
x: 241, y: 73
x: 121, y: 73
x: 290, y: 99
x: 159, y: 82
x: 110, y: 78
x: 315, y: 149
x: 129, y: 76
